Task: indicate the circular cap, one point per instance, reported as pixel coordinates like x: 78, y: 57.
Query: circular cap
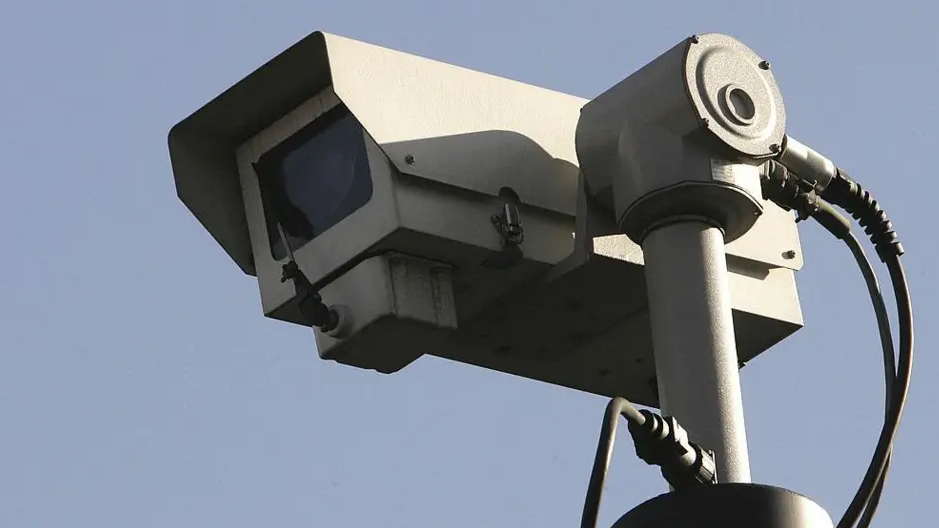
x: 740, y: 100
x: 738, y: 105
x: 731, y: 505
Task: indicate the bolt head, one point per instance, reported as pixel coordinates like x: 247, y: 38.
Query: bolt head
x: 409, y: 159
x: 764, y: 65
x: 789, y: 255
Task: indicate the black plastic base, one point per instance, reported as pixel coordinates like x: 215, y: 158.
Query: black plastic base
x: 728, y: 506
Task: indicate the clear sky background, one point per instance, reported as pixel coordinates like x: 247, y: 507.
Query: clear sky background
x: 140, y: 384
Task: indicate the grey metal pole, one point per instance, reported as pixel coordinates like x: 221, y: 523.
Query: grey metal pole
x: 693, y: 339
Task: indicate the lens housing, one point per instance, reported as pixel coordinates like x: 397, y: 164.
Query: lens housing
x: 314, y: 179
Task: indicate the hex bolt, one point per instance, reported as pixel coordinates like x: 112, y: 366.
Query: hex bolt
x: 789, y: 255
x: 409, y: 159
x: 764, y: 65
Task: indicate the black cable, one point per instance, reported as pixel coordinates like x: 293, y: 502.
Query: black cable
x: 792, y: 193
x: 871, y: 508
x: 659, y: 441
x: 866, y: 494
x: 840, y: 227
x: 601, y: 462
x: 880, y: 311
x: 857, y: 201
x: 890, y: 368
x: 860, y: 203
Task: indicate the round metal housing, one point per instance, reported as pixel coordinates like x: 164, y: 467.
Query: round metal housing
x: 735, y: 95
x: 728, y: 506
x: 683, y: 137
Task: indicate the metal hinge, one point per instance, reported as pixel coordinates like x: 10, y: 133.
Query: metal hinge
x: 509, y: 225
x: 510, y: 229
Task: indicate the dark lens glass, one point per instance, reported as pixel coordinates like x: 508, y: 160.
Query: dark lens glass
x: 314, y: 179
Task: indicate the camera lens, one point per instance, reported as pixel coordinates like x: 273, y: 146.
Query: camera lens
x: 315, y: 179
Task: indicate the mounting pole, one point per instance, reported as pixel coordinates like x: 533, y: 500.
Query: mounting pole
x: 693, y: 338
x: 674, y: 152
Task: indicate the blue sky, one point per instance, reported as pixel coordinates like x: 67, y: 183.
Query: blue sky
x: 141, y: 386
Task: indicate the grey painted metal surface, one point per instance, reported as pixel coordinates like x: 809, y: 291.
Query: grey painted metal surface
x: 696, y: 359
x: 673, y: 151
x: 807, y: 163
x: 463, y: 128
x: 442, y: 142
x: 728, y: 506
x: 684, y: 134
x: 397, y: 303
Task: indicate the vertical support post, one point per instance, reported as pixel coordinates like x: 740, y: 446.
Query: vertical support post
x: 693, y: 339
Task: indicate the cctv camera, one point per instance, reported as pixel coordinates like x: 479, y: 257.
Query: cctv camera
x: 442, y: 211
x: 395, y: 181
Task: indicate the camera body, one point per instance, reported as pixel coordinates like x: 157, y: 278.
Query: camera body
x: 442, y: 211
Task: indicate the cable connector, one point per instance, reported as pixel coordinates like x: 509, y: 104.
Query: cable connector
x: 662, y: 442
x: 311, y: 303
x: 659, y: 441
x: 850, y: 196
x: 811, y: 166
x: 788, y: 190
x: 792, y: 192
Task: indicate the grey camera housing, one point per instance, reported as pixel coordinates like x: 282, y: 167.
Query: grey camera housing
x: 421, y: 268
x: 685, y: 135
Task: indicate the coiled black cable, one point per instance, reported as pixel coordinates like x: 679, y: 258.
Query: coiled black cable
x: 890, y: 366
x: 789, y: 192
x: 858, y: 202
x: 876, y: 469
x: 840, y: 227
